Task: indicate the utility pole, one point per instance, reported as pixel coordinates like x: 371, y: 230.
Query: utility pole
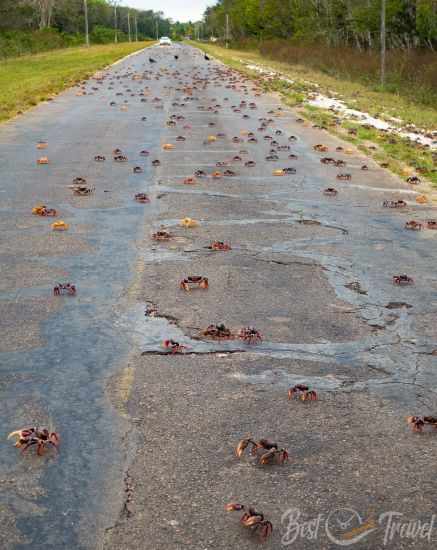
x: 87, y: 34
x: 128, y: 25
x: 115, y: 21
x: 136, y: 27
x: 157, y: 28
x: 383, y: 41
x: 227, y: 30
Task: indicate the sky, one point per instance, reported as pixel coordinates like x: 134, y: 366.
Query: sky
x: 178, y: 10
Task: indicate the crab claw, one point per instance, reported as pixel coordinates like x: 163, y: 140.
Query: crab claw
x: 241, y: 447
x: 17, y: 434
x: 234, y: 507
x: 251, y: 520
x: 416, y: 422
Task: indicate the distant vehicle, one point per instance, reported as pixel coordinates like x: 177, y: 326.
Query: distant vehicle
x: 165, y: 41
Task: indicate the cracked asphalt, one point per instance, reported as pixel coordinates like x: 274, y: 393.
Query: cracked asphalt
x: 147, y: 438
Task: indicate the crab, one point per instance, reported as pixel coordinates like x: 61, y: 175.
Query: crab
x: 220, y: 332
x: 156, y: 162
x: 344, y: 177
x: 289, y: 170
x: 229, y: 173
x: 42, y: 145
x: 216, y: 175
x: 272, y: 158
x: 181, y: 138
x: 364, y: 167
x: 321, y: 148
x: 41, y: 437
x: 250, y: 335
x: 83, y: 190
x: 402, y: 280
x: 59, y: 226
x: 431, y: 224
x: 417, y: 423
x: 252, y: 519
x: 270, y: 451
x: 303, y: 392
x: 42, y: 210
x: 173, y: 346
x: 144, y: 153
x: 194, y: 281
x: 190, y: 181
x: 413, y: 225
x: 394, y: 204
x: 413, y: 180
x: 99, y: 158
x: 330, y: 192
x: 64, y: 289
x: 142, y: 197
x: 137, y: 170
x: 168, y: 147
x: 250, y: 164
x: 120, y: 158
x: 189, y: 223
x: 162, y: 235
x: 200, y: 174
x: 220, y: 246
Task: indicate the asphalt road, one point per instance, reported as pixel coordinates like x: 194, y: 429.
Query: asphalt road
x: 147, y: 438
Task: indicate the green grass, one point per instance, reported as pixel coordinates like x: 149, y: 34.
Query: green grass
x: 27, y: 80
x: 400, y: 155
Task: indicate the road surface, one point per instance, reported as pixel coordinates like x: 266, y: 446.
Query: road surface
x: 147, y: 455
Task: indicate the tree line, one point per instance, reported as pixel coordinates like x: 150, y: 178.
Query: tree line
x: 354, y: 23
x: 68, y: 17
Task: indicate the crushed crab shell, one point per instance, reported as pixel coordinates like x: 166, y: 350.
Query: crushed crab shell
x: 211, y: 138
x: 421, y: 199
x: 188, y: 222
x: 168, y: 146
x: 60, y: 226
x: 278, y: 172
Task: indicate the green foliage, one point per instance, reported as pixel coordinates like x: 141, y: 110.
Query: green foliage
x: 410, y: 23
x: 29, y: 26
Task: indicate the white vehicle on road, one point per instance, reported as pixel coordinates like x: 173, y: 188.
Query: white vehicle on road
x: 164, y: 41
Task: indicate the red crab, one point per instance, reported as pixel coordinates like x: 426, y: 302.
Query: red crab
x: 142, y: 197
x: 252, y: 519
x: 413, y: 225
x: 417, y: 423
x: 250, y: 335
x: 99, y: 158
x: 402, y: 280
x: 173, y: 346
x: 270, y: 451
x: 394, y: 204
x: 194, y: 281
x: 219, y: 245
x: 41, y: 437
x: 64, y: 289
x: 219, y: 332
x: 303, y: 392
x: 162, y: 235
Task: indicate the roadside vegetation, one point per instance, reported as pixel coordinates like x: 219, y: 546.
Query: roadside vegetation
x: 27, y: 80
x: 35, y: 26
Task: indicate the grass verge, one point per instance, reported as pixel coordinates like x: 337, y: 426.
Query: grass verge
x: 27, y: 80
x: 401, y: 155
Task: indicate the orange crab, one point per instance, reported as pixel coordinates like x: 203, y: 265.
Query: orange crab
x: 60, y: 226
x: 42, y: 210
